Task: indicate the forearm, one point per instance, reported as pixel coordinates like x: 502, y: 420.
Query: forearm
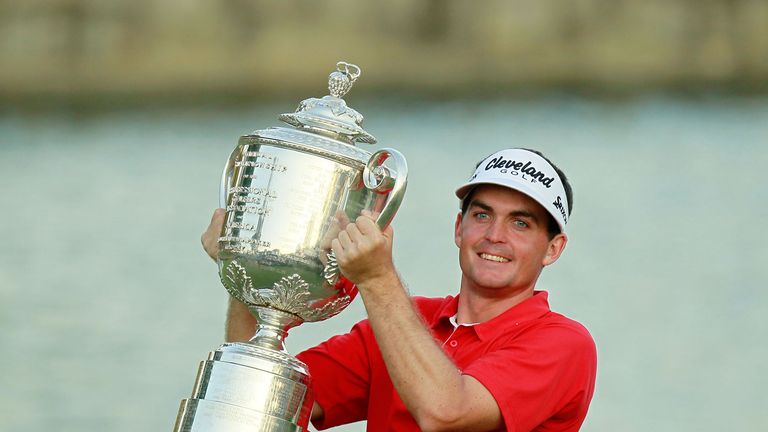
x: 240, y: 325
x: 437, y: 395
x: 430, y: 385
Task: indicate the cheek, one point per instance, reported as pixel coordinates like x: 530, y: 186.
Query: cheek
x: 535, y: 252
x: 465, y: 237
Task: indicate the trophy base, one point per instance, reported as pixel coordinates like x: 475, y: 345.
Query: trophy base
x: 200, y: 415
x: 245, y: 387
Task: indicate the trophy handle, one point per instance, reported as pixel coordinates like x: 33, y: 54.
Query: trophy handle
x: 378, y: 178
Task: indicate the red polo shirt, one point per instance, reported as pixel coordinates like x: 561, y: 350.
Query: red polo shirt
x: 539, y: 366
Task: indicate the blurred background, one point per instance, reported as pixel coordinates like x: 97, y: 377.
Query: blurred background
x: 116, y: 118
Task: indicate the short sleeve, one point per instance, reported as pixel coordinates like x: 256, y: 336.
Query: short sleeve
x: 542, y: 377
x: 340, y: 376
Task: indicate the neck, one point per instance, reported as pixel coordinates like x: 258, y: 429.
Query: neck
x: 475, y: 307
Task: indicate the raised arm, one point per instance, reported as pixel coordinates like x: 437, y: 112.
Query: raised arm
x: 240, y: 325
x: 437, y: 395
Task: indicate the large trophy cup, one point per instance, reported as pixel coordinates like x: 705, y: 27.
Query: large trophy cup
x: 287, y: 192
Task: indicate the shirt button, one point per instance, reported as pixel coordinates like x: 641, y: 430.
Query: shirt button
x: 453, y: 344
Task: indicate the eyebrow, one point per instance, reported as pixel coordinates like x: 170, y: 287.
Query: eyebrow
x: 482, y: 205
x: 516, y: 213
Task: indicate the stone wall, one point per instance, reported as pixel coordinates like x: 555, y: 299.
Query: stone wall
x: 196, y: 47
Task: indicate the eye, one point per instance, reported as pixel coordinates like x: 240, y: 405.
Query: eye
x: 521, y: 223
x: 481, y: 216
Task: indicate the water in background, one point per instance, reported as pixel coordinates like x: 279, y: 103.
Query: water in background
x: 107, y: 302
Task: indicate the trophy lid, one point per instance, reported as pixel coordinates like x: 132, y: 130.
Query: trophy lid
x: 330, y: 115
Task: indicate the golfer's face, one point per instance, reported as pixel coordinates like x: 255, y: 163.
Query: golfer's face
x: 503, y: 240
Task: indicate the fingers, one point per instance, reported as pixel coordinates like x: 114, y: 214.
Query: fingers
x: 354, y: 232
x: 210, y: 238
x: 347, y: 241
x: 364, y: 228
x: 337, y: 249
x: 344, y: 239
x: 366, y: 224
x: 371, y: 214
x: 359, y: 237
x: 363, y: 252
x: 218, y: 214
x: 342, y: 218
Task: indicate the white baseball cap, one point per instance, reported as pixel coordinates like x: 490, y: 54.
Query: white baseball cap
x: 526, y: 172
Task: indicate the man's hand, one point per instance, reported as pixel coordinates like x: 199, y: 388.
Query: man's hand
x: 240, y: 324
x: 210, y: 238
x: 363, y: 251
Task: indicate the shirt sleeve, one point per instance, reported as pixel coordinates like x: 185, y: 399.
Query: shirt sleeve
x: 543, y: 376
x: 340, y: 375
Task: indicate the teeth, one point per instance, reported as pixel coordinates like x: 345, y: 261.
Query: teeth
x: 490, y: 257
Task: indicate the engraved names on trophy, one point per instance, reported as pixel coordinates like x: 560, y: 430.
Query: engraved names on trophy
x: 255, y: 191
x: 262, y: 160
x: 264, y: 165
x: 257, y: 167
x: 254, y: 199
x: 253, y: 242
x: 251, y: 196
x: 241, y: 226
x: 248, y: 209
x: 259, y: 160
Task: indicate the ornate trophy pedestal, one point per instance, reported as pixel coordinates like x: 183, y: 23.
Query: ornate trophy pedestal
x: 252, y: 386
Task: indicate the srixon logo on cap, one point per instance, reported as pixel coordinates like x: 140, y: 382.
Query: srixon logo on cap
x: 504, y: 165
x: 559, y: 205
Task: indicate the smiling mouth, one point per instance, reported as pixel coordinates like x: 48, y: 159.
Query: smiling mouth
x: 494, y: 258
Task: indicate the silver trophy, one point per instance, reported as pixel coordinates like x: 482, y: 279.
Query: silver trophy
x: 288, y: 191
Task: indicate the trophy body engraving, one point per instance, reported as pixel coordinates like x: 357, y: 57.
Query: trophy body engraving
x: 287, y: 193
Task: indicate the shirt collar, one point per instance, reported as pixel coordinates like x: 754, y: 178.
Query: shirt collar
x: 531, y: 308
x: 448, y: 309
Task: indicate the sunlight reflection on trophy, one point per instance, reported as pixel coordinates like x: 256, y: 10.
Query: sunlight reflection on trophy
x: 287, y: 193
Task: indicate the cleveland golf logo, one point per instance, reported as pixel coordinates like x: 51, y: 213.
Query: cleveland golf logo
x: 504, y: 166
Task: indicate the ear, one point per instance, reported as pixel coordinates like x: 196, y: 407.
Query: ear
x: 457, y: 230
x: 555, y: 249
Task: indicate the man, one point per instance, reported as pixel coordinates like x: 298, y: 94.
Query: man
x: 492, y: 358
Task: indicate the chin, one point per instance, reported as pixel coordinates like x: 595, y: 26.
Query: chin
x: 492, y: 283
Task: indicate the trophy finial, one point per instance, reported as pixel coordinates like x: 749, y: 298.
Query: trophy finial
x: 330, y: 115
x: 341, y: 80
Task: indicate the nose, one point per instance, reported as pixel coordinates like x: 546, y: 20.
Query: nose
x: 495, y: 232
